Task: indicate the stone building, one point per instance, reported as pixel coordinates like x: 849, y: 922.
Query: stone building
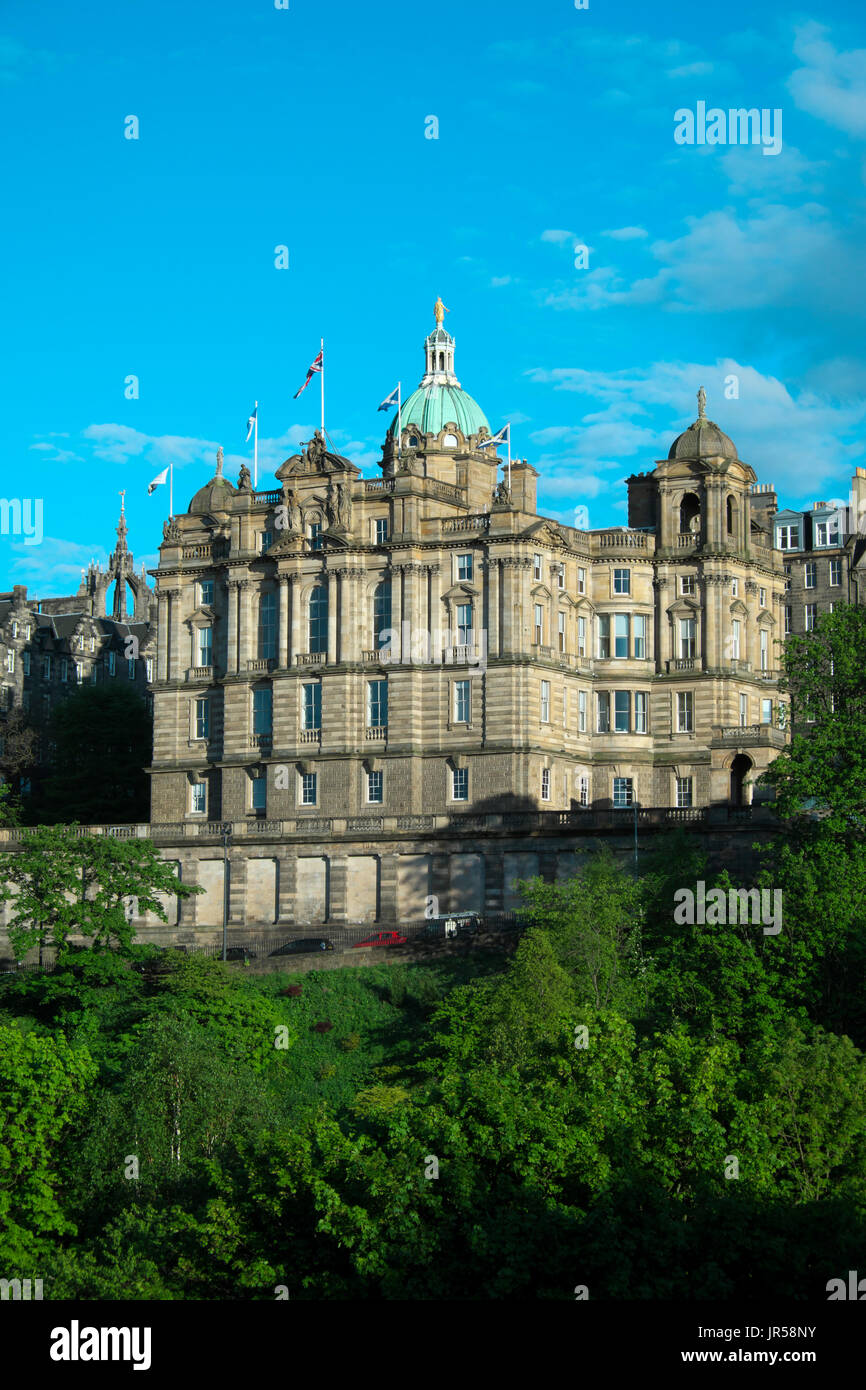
x: 353, y: 674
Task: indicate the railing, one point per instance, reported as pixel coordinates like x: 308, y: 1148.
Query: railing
x: 376, y: 731
x: 462, y: 655
x: 311, y: 658
x: 262, y: 663
x: 261, y: 740
x: 379, y: 485
x: 356, y: 823
x: 270, y: 497
x: 446, y: 490
x: 682, y: 663
x: 197, y: 552
x: 479, y: 522
x: 768, y: 675
x: 687, y: 539
x: 309, y: 736
x: 200, y: 673
x: 622, y: 539
x: 383, y: 654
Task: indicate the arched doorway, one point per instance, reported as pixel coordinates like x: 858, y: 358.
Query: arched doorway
x: 690, y: 512
x: 740, y: 769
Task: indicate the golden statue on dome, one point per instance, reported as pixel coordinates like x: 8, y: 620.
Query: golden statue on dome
x: 440, y: 311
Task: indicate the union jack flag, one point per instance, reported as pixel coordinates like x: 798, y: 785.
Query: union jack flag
x: 315, y: 367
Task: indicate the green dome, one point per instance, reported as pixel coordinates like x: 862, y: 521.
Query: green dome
x: 431, y: 408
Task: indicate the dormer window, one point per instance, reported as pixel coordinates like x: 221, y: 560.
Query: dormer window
x: 449, y: 441
x: 413, y: 441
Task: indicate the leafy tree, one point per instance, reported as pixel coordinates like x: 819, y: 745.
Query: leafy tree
x: 103, y: 739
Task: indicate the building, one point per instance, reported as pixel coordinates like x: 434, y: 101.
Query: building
x: 352, y: 673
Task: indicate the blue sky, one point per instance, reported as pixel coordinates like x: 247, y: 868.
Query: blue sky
x: 306, y: 128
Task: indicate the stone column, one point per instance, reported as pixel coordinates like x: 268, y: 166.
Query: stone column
x: 333, y: 600
x: 396, y: 611
x: 237, y: 890
x: 287, y: 870
x: 410, y: 609
x: 296, y: 619
x: 283, y: 655
x: 232, y: 629
x: 163, y: 605
x: 338, y: 883
x: 247, y: 644
x: 353, y: 621
x: 175, y: 635
x: 492, y: 607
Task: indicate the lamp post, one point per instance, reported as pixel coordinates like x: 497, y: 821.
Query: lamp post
x: 225, y: 831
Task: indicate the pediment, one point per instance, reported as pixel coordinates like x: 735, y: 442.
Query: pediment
x: 684, y: 607
x: 540, y: 591
x: 548, y: 532
x: 463, y: 590
x: 739, y: 609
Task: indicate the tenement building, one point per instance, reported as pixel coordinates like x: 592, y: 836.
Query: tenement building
x: 382, y: 687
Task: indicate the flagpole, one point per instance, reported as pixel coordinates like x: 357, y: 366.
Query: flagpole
x: 170, y: 491
x: 322, y: 374
x: 256, y: 446
x: 509, y: 455
x: 399, y: 419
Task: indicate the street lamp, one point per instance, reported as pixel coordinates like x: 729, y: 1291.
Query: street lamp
x: 225, y: 831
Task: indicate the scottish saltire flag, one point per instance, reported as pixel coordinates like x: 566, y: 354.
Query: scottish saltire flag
x: 390, y: 401
x: 251, y: 423
x: 499, y: 438
x: 160, y: 478
x: 316, y: 367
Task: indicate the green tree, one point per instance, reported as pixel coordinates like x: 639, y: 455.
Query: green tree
x: 103, y: 738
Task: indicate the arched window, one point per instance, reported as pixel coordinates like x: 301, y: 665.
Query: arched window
x: 267, y: 626
x: 690, y: 513
x: 319, y: 619
x: 449, y: 441
x: 413, y: 441
x: 381, y: 614
x: 732, y: 516
x: 442, y: 361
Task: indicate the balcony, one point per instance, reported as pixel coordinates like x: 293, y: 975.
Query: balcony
x: 262, y: 663
x: 379, y: 485
x: 683, y: 663
x: 262, y: 740
x: 200, y: 673
x: 309, y: 736
x: 381, y: 656
x: 467, y: 654
x: 621, y: 539
x: 762, y: 735
x: 479, y: 522
x: 271, y: 498
x: 376, y: 732
x: 769, y: 675
x: 311, y: 658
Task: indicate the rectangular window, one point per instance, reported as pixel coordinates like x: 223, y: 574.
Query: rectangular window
x: 744, y: 711
x: 620, y: 634
x: 603, y: 707
x: 762, y: 598
x: 622, y: 792
x: 684, y: 791
x: 93, y: 674
x: 687, y: 584
x: 267, y: 634
x: 536, y: 566
x: 462, y: 696
x: 811, y: 615
x: 822, y: 532
x: 460, y: 784
x: 206, y: 592
x: 581, y: 636
x: 464, y: 567
x: 641, y: 701
x: 64, y: 669
x: 266, y: 540
x: 205, y: 646
x: 202, y: 718
x: 621, y: 711
x: 685, y: 712
x: 638, y: 627
x: 581, y: 581
x: 46, y: 668
x: 92, y: 643
x: 148, y: 664
x: 735, y: 588
x: 377, y: 704
x: 835, y: 573
x: 787, y: 569
x: 545, y: 702
x: 381, y: 530
x: 262, y: 710
x: 735, y: 639
x: 311, y: 707
x: 79, y: 672
x: 766, y: 711
x: 130, y: 668
x: 464, y: 624
x: 688, y: 639
x: 545, y: 784
x: 112, y: 663
x: 561, y: 631
x: 765, y: 649
x: 308, y: 788
x: 315, y: 535
x: 789, y: 612
x: 810, y: 574
x: 603, y: 636
x: 622, y: 581
x: 25, y: 663
x: 583, y: 791
x: 539, y: 624
x: 375, y: 787
x: 258, y: 792
x: 788, y: 537
x: 14, y: 628
x: 560, y: 576
x: 581, y: 711
x: 198, y: 799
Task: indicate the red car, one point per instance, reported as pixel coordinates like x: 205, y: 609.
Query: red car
x: 383, y: 938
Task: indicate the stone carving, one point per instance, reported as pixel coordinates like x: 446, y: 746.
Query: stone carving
x: 502, y: 495
x: 344, y: 505
x: 219, y: 471
x: 171, y: 530
x: 244, y: 478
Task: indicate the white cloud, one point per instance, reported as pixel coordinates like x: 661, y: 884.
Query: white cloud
x: 499, y: 280
x: 700, y: 69
x: 626, y: 233
x: 749, y: 173
x: 558, y: 235
x: 831, y: 84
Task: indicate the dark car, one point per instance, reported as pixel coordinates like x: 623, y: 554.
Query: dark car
x: 239, y: 953
x: 383, y: 938
x: 302, y: 946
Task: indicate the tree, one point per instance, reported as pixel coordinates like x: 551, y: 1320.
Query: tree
x: 20, y: 748
x: 103, y: 739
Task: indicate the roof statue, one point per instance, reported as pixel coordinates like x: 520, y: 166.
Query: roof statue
x: 219, y: 471
x: 440, y: 310
x: 702, y: 403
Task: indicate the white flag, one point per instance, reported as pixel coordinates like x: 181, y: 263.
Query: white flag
x: 160, y: 478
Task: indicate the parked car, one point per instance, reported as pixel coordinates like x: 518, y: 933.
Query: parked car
x: 383, y: 938
x: 239, y: 953
x: 453, y: 924
x: 302, y: 946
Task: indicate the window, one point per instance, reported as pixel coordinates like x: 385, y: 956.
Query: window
x: 92, y: 642
x: 318, y: 618
x: 374, y: 787
x: 462, y: 697
x: 787, y: 569
x: 536, y: 566
x: 198, y: 797
x: 762, y: 598
x: 64, y: 668
x: 93, y: 674
x: 377, y: 704
x: 641, y: 701
x: 267, y: 626
x: 735, y: 639
x: 130, y: 668
x: 621, y: 711
x: 308, y: 788
x: 545, y: 784
x: 561, y: 631
x: 766, y: 711
x: 464, y: 624
x: 744, y: 711
x: 603, y: 705
x: 581, y: 711
x: 583, y: 790
x: 827, y: 532
x: 735, y: 588
x: 622, y: 792
x: 314, y: 531
x: 811, y: 615
x: 460, y: 784
x: 560, y: 576
x: 685, y: 712
x: 603, y: 636
x: 25, y: 663
x: 202, y: 717
x: 835, y: 573
x: 464, y: 567
x: 638, y: 627
x: 266, y: 540
x: 788, y: 618
x: 205, y: 592
x: 545, y: 702
x: 14, y: 626
x: 381, y: 614
x: 148, y: 665
x: 622, y: 581
x: 688, y: 643
x: 788, y: 537
x: 684, y: 791
x: 620, y: 634
x: 765, y: 649
x: 205, y: 646
x: 46, y: 668
x: 79, y: 672
x: 262, y: 710
x: 112, y: 663
x: 381, y: 525
x: 258, y: 791
x: 810, y: 574
x: 581, y: 636
x: 687, y: 584
x: 539, y: 624
x: 311, y: 705
x: 581, y: 581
